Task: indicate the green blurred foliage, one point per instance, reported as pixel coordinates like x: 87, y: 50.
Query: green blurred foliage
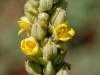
x: 83, y: 49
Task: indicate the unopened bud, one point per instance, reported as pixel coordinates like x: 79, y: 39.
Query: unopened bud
x: 49, y: 50
x: 43, y: 16
x: 45, y: 5
x: 58, y: 17
x: 31, y: 9
x: 43, y: 60
x: 39, y: 30
x: 49, y: 70
x: 34, y: 3
x: 62, y: 72
x: 33, y: 67
x: 56, y: 59
x: 63, y: 4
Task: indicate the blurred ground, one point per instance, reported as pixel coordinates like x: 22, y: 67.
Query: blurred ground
x: 83, y: 49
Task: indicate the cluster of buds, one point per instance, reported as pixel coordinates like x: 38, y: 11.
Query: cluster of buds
x: 47, y: 29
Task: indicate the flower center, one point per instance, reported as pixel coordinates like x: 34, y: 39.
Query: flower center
x: 30, y: 44
x: 61, y: 31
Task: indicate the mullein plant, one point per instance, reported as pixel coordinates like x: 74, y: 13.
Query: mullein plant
x: 47, y: 31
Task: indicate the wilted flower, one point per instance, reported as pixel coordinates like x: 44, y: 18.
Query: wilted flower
x: 24, y: 24
x: 63, y: 33
x: 29, y: 46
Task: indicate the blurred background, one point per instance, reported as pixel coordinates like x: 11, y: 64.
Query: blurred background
x: 83, y: 49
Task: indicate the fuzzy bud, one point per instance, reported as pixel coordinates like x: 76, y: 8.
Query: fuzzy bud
x: 45, y: 5
x: 33, y: 67
x: 43, y: 60
x: 34, y: 3
x: 49, y: 70
x: 43, y: 16
x: 63, y: 4
x: 62, y: 72
x: 58, y: 17
x: 57, y: 59
x: 49, y: 50
x: 39, y: 30
x: 30, y: 8
x: 30, y: 16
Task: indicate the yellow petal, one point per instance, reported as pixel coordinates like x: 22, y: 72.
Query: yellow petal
x: 25, y: 19
x: 35, y: 49
x: 20, y: 31
x: 71, y: 31
x: 65, y: 39
x: 27, y: 52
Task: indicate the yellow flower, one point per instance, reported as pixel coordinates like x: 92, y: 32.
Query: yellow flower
x: 29, y: 46
x: 24, y: 24
x: 63, y: 33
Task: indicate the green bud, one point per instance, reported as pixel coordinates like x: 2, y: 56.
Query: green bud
x: 62, y: 72
x: 58, y: 17
x: 49, y: 50
x: 42, y: 60
x: 62, y: 49
x: 49, y: 70
x: 34, y: 3
x: 30, y: 16
x: 45, y: 5
x: 56, y: 59
x: 43, y: 17
x: 30, y: 8
x: 32, y: 58
x: 33, y: 67
x: 44, y: 41
x: 65, y: 72
x: 62, y: 4
x: 39, y: 30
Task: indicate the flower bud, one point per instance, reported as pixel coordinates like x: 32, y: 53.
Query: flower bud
x: 45, y: 5
x: 30, y: 8
x: 34, y: 3
x: 56, y: 59
x: 49, y: 50
x: 44, y: 41
x: 62, y: 72
x: 62, y: 3
x: 58, y: 17
x: 39, y: 30
x: 33, y: 67
x: 30, y: 16
x: 49, y: 70
x: 43, y: 16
